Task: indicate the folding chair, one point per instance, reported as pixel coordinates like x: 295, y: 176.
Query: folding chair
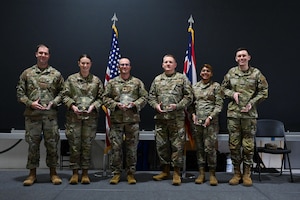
x: 273, y: 130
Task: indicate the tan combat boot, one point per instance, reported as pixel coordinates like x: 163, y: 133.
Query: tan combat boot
x: 31, y: 179
x: 165, y: 174
x: 201, y: 177
x: 130, y: 178
x: 115, y: 179
x: 85, y: 177
x: 176, y: 176
x: 235, y: 180
x: 54, y: 177
x: 247, y: 181
x: 74, y: 179
x: 212, y: 177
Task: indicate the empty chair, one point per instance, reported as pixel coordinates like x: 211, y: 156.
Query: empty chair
x: 274, y: 130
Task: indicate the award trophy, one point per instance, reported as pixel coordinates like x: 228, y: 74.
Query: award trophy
x: 125, y: 99
x: 166, y: 101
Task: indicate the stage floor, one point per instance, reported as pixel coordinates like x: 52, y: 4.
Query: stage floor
x: 272, y: 187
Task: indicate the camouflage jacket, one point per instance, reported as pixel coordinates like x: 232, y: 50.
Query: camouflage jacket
x: 122, y: 91
x: 45, y: 85
x: 83, y: 92
x: 208, y: 100
x: 174, y: 89
x: 252, y: 86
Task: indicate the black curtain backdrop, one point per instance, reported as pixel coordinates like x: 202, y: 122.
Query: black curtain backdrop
x: 147, y: 30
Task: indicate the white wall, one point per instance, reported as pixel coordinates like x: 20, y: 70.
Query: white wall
x: 16, y: 158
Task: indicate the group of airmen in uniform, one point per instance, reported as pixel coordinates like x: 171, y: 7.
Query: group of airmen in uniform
x: 42, y: 89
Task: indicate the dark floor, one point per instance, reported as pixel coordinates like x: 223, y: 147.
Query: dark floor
x: 272, y: 187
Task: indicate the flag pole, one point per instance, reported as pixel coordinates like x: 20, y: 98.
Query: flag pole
x: 107, y: 112
x: 189, y: 64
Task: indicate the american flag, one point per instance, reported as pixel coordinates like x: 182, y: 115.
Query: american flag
x: 111, y: 72
x: 190, y: 61
x: 190, y: 71
x: 114, y: 55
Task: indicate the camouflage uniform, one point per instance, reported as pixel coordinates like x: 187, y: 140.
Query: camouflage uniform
x: 81, y: 129
x: 44, y: 85
x: 126, y: 122
x: 169, y: 126
x: 207, y: 102
x: 253, y: 88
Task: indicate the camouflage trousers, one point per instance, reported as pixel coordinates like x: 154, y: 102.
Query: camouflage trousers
x: 38, y: 128
x: 124, y: 136
x: 170, y: 141
x: 241, y: 140
x: 80, y: 134
x: 205, y: 142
